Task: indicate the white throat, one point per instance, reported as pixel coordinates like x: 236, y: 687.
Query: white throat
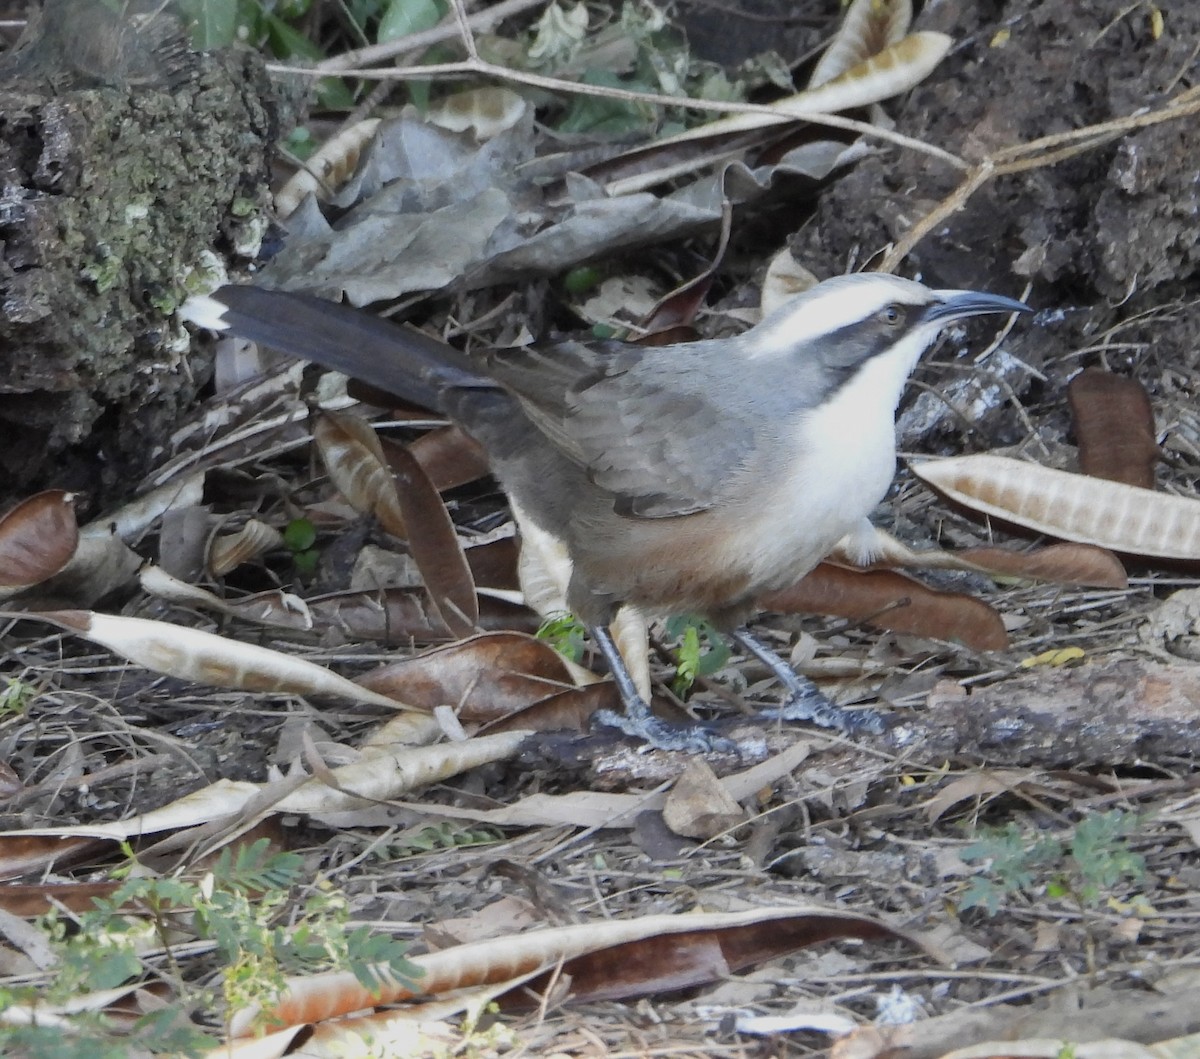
x: 845, y: 450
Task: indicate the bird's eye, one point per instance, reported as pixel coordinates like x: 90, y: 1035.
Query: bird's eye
x: 892, y: 315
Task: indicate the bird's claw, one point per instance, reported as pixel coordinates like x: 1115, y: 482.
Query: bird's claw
x: 809, y: 704
x: 662, y: 735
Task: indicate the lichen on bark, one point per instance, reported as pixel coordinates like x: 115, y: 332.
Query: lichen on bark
x: 116, y: 176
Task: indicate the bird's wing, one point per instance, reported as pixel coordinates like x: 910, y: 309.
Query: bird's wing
x: 635, y: 419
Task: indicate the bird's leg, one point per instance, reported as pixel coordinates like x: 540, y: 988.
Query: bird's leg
x: 638, y: 721
x: 805, y: 701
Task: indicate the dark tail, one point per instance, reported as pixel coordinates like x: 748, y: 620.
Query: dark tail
x: 391, y: 357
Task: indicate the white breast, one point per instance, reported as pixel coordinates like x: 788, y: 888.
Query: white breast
x: 842, y: 460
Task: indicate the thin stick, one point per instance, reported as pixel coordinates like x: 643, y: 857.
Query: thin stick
x: 482, y: 68
x: 448, y: 28
x: 1036, y: 154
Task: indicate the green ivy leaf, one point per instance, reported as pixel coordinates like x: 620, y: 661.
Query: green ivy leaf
x: 405, y: 17
x: 214, y: 23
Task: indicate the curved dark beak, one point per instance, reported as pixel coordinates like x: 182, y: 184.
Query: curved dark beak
x: 959, y: 304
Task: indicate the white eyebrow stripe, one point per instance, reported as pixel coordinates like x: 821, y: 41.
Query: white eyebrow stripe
x: 836, y: 304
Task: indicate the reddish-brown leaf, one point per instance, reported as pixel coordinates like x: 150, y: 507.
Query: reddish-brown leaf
x: 449, y: 456
x: 29, y: 854
x: 1068, y: 564
x: 890, y: 600
x: 611, y: 959
x: 567, y: 711
x: 671, y: 319
x: 486, y: 676
x: 37, y: 539
x: 435, y: 546
x: 607, y: 959
x: 494, y: 564
x: 1114, y: 427
x: 36, y: 899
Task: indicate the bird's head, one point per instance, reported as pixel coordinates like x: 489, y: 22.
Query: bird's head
x: 838, y: 327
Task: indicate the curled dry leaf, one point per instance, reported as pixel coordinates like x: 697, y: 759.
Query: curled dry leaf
x: 544, y: 571
x: 354, y: 459
x: 605, y: 960
x: 327, y: 167
x: 611, y: 810
x: 1072, y: 506
x: 37, y: 539
x: 1068, y: 564
x: 229, y: 551
x: 120, y: 1005
x: 631, y: 633
x: 265, y: 1046
x: 215, y: 802
x: 133, y: 519
x: 890, y: 600
x: 893, y: 70
x: 391, y: 772
x: 280, y: 609
x: 404, y: 729
x: 1065, y: 563
x: 102, y: 563
x: 190, y: 654
x: 890, y: 71
x: 1114, y: 427
x: 785, y: 278
x: 408, y: 506
x: 487, y: 111
x: 868, y: 28
x: 543, y: 566
x: 676, y: 310
x: 387, y: 772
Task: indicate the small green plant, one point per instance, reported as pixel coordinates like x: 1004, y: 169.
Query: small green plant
x: 445, y: 835
x: 1085, y: 868
x: 15, y: 697
x: 695, y: 660
x: 300, y: 536
x: 243, y: 906
x: 564, y: 632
